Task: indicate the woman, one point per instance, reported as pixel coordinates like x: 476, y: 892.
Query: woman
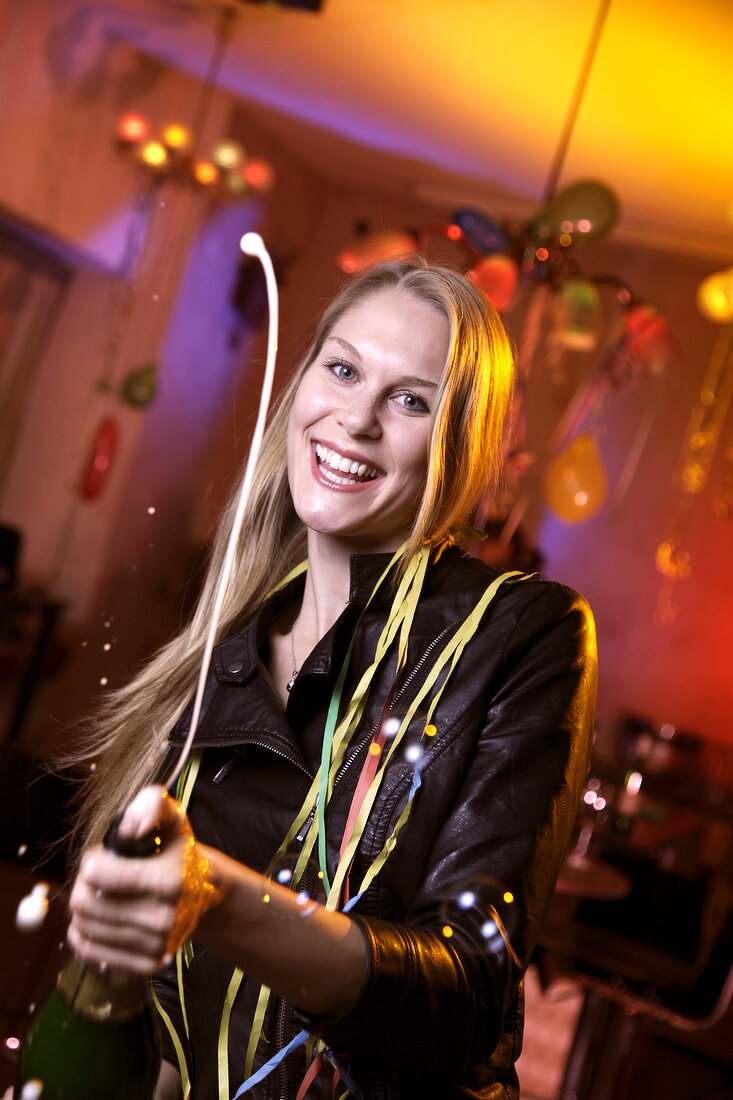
x: 398, y: 727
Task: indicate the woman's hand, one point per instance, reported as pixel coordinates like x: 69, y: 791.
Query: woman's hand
x: 132, y: 914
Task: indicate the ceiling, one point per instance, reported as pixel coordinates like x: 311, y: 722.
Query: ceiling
x: 464, y: 101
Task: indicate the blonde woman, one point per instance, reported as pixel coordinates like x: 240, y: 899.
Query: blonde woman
x: 391, y: 749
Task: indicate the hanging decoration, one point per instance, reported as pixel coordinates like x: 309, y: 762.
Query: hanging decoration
x: 583, y: 211
x: 578, y: 315
x: 99, y: 461
x: 691, y: 476
x: 167, y: 154
x: 715, y: 297
x: 497, y: 276
x: 575, y: 481
x: 501, y: 256
x: 723, y: 503
x: 535, y: 266
x: 172, y: 152
x: 139, y: 386
x: 226, y: 170
x: 538, y: 259
x: 370, y: 248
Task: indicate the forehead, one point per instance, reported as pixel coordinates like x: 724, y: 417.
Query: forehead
x: 397, y: 323
x: 392, y: 302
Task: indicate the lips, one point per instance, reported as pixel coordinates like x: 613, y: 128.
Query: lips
x: 339, y: 469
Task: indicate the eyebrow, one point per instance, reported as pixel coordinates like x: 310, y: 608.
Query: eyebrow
x: 408, y: 379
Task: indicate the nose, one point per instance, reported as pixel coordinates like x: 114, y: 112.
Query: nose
x: 359, y: 415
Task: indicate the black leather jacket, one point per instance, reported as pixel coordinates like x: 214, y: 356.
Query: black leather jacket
x: 501, y: 781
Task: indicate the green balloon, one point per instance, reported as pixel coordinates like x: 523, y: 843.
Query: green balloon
x: 584, y: 210
x: 140, y: 386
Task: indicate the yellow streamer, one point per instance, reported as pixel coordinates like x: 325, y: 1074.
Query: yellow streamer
x: 256, y: 1032
x: 179, y: 980
x: 223, y: 1043
x: 180, y: 1056
x: 453, y: 649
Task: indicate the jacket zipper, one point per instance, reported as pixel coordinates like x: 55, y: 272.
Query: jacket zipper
x: 278, y: 752
x: 354, y: 753
x: 279, y: 1044
x: 423, y: 659
x: 303, y: 830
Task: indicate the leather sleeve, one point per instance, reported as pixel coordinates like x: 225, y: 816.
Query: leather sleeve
x: 428, y: 1002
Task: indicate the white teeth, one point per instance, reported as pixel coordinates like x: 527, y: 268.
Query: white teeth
x: 330, y: 476
x: 337, y: 462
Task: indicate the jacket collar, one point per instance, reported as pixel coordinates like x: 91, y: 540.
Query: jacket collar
x: 235, y: 659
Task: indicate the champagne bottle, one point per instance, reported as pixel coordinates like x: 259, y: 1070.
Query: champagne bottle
x: 94, y: 1037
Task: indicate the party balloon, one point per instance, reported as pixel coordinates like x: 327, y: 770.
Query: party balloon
x: 375, y: 247
x: 497, y: 276
x: 715, y: 297
x: 485, y: 235
x: 575, y: 482
x: 582, y: 211
x: 140, y: 386
x: 648, y: 338
x: 101, y: 456
x: 577, y: 315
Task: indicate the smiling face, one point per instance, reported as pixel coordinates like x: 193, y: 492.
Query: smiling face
x: 361, y: 421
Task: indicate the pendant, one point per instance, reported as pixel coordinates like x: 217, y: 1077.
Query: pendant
x: 289, y: 685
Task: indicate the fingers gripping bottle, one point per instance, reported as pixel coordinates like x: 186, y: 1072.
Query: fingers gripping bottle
x: 94, y: 1037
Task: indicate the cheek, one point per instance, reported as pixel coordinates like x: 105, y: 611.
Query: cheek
x: 415, y: 458
x: 310, y: 405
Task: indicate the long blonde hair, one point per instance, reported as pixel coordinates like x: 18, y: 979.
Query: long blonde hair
x: 127, y: 737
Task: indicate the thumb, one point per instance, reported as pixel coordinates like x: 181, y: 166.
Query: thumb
x: 153, y: 808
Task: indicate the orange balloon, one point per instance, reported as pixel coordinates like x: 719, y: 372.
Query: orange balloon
x: 496, y: 275
x: 575, y: 482
x: 375, y: 247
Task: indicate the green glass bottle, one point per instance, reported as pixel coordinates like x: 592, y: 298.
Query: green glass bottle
x: 94, y: 1037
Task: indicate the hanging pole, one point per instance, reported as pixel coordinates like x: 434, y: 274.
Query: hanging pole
x: 567, y: 131
x: 225, y: 30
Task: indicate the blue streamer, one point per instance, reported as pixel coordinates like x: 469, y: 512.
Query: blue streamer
x: 351, y: 1085
x: 268, y: 1067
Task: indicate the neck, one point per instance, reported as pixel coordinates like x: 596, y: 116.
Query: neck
x: 327, y: 585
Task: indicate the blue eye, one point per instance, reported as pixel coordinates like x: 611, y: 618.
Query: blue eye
x: 412, y: 403
x: 341, y: 370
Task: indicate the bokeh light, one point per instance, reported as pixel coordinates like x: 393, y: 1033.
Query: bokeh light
x: 177, y: 137
x: 227, y: 154
x: 205, y: 173
x: 480, y: 915
x: 154, y: 154
x: 258, y: 174
x: 132, y: 128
